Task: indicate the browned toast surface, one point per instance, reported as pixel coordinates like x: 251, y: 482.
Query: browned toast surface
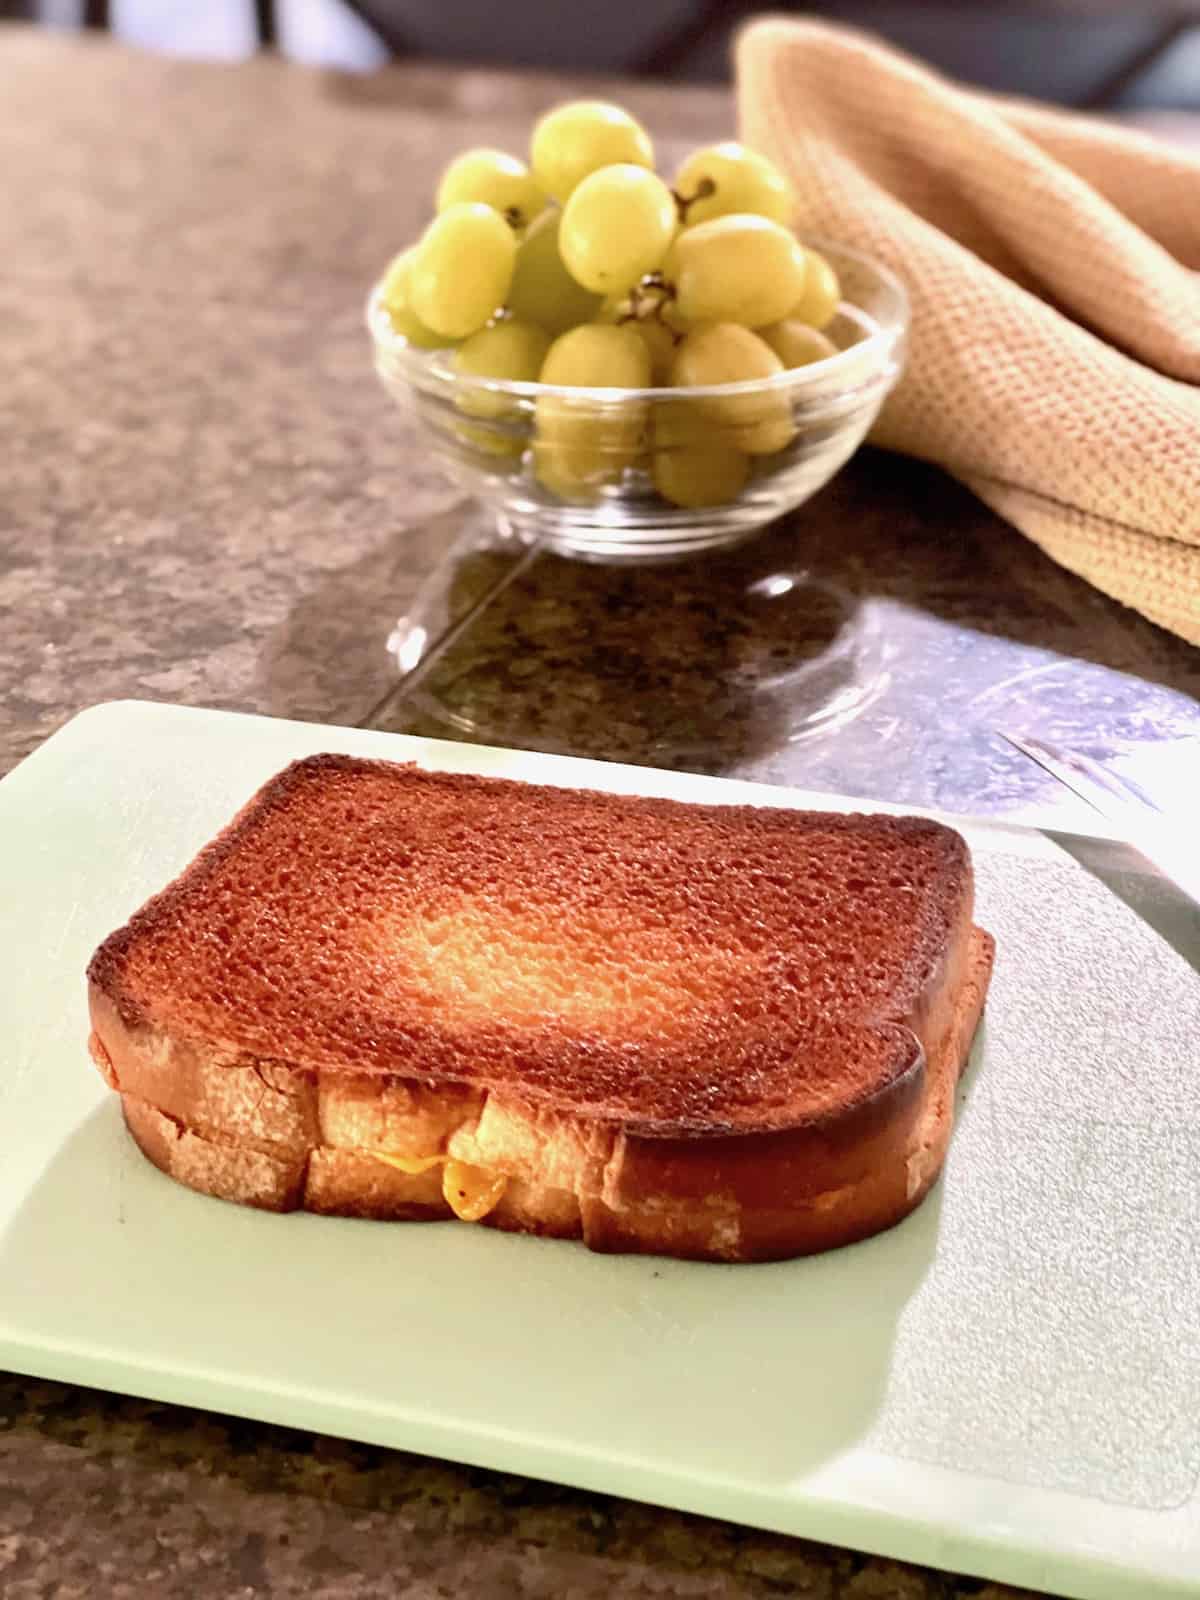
x: 670, y: 968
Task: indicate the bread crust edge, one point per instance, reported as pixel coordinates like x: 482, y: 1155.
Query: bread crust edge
x: 736, y: 1198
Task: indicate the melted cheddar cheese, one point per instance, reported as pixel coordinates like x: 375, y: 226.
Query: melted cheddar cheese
x: 470, y: 1192
x: 413, y: 1165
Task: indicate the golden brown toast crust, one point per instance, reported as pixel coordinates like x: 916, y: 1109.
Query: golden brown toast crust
x: 730, y: 1033
x: 639, y: 959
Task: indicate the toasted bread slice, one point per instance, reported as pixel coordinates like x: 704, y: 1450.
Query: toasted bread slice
x: 730, y: 1033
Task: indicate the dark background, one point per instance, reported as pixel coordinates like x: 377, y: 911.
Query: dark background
x: 1118, y: 53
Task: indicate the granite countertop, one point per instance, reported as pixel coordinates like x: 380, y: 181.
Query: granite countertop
x: 108, y: 1497
x: 204, y: 499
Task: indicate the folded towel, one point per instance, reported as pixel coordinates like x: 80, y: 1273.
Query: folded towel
x: 1053, y: 261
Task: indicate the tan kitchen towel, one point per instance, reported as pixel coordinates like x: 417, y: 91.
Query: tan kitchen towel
x: 1053, y: 261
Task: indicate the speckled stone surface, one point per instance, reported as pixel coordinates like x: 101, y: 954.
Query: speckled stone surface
x: 204, y: 498
x: 102, y: 1496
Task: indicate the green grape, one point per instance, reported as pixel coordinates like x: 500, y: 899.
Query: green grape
x: 669, y: 270
x: 461, y: 269
x: 493, y: 179
x: 582, y: 446
x: 596, y: 356
x: 393, y: 296
x: 796, y: 343
x: 490, y: 439
x: 660, y: 344
x: 510, y: 350
x: 542, y: 289
x: 659, y: 338
x: 822, y: 293
x: 738, y: 268
x: 724, y: 178
x: 579, y: 138
x: 617, y: 227
x: 724, y: 352
x: 694, y: 464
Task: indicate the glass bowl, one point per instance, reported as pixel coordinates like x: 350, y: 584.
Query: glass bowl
x: 573, y: 470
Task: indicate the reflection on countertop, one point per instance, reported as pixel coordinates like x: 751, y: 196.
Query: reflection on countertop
x: 949, y: 626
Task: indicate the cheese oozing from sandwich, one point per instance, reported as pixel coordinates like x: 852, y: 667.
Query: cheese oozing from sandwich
x: 470, y: 1192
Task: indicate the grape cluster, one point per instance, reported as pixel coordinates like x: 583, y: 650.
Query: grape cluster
x: 585, y: 270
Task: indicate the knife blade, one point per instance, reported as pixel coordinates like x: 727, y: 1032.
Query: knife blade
x: 1167, y: 843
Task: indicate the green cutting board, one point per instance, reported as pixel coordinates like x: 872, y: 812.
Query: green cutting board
x: 1006, y: 1385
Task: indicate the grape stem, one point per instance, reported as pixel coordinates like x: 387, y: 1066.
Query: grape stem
x: 646, y: 302
x: 684, y: 202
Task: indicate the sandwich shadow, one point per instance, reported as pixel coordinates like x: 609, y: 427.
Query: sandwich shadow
x: 793, y: 1367
x: 632, y: 1375
x: 1153, y: 897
